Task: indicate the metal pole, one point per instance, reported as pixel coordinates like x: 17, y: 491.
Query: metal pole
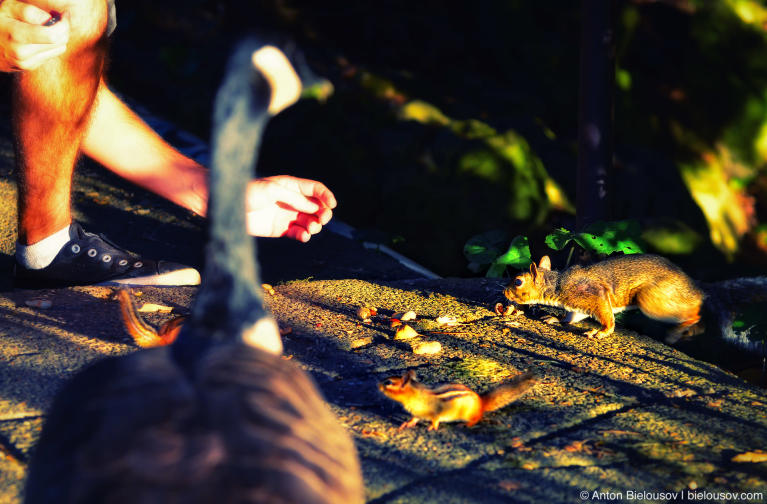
x: 595, y: 114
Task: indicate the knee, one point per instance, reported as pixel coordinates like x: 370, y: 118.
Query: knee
x: 87, y: 22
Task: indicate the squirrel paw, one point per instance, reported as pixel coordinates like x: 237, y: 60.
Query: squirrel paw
x: 550, y: 319
x: 597, y: 334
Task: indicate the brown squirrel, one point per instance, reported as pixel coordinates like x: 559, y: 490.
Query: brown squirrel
x: 452, y: 402
x: 659, y: 288
x: 142, y: 333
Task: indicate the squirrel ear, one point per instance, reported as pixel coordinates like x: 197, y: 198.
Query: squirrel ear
x: 545, y: 263
x: 533, y: 269
x: 409, y: 376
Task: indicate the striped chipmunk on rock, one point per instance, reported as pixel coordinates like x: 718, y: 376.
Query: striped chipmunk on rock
x: 451, y: 402
x: 651, y: 283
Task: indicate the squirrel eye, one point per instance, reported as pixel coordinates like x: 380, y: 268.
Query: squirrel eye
x: 388, y: 382
x: 519, y: 282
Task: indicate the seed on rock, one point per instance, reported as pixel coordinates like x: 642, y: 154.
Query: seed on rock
x: 405, y: 332
x: 427, y: 348
x: 504, y: 311
x: 405, y: 316
x: 361, y: 342
x: 364, y: 313
x: 155, y: 308
x: 268, y: 288
x: 447, y: 320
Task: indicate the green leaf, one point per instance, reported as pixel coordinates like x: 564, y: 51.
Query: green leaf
x: 610, y: 237
x: 495, y: 271
x: 559, y: 238
x: 486, y: 247
x: 516, y: 256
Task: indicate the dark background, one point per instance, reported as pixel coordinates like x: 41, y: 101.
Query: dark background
x: 500, y: 80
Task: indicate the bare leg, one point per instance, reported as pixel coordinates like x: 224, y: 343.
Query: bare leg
x: 51, y: 107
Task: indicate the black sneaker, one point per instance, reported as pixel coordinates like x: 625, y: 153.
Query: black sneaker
x: 90, y: 259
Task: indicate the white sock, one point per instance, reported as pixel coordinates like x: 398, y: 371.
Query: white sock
x: 41, y: 254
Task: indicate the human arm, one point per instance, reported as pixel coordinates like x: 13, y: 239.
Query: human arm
x: 276, y: 206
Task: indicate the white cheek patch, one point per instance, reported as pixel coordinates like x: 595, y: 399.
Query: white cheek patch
x: 285, y: 84
x: 264, y: 334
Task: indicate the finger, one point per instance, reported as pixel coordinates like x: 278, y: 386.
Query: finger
x: 287, y: 197
x: 50, y: 5
x: 317, y: 190
x: 28, y: 13
x: 309, y: 222
x: 298, y: 233
x: 303, y: 227
x: 35, y: 60
x: 324, y: 215
x: 22, y: 32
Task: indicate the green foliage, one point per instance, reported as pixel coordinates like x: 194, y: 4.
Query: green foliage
x: 673, y: 237
x: 601, y: 237
x: 499, y: 158
x: 750, y: 322
x: 517, y: 256
x: 319, y: 91
x: 484, y: 250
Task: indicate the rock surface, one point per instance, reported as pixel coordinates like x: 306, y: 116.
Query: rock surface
x: 623, y: 414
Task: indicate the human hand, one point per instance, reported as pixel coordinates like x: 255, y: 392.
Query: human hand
x: 288, y: 206
x: 25, y: 43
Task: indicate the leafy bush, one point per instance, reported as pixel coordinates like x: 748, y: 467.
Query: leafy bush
x: 604, y: 238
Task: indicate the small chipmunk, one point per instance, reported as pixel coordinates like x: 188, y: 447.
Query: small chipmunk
x: 142, y: 333
x: 452, y: 402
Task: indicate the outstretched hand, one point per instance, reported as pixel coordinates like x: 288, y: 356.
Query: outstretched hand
x: 288, y: 206
x: 25, y: 43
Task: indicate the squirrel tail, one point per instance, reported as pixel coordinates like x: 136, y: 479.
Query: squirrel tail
x: 723, y: 299
x: 142, y: 333
x: 507, y: 392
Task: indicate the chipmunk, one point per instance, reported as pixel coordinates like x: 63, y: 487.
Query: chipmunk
x: 452, y: 402
x: 142, y: 333
x: 651, y: 283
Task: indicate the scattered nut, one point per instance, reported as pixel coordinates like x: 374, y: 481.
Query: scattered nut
x: 427, y: 348
x: 550, y: 319
x: 41, y: 303
x: 447, y: 320
x: 361, y: 342
x: 268, y: 288
x: 364, y: 313
x: 405, y: 332
x: 405, y: 316
x: 395, y: 323
x: 504, y: 311
x: 155, y: 308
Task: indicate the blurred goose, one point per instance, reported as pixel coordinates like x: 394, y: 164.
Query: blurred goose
x: 218, y: 416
